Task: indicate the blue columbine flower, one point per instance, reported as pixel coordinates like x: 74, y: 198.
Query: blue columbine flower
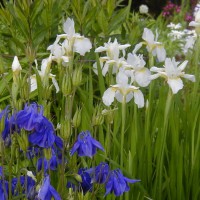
x: 86, y: 145
x: 99, y: 173
x: 47, y: 191
x: 85, y: 185
x: 6, y: 131
x: 27, y: 185
x: 44, y: 135
x: 29, y: 117
x: 52, y: 164
x: 117, y: 183
x: 3, y: 190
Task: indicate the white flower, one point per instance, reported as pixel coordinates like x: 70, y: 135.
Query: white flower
x: 58, y: 53
x: 112, y: 49
x: 196, y: 22
x: 143, y: 9
x: 45, y: 71
x: 123, y: 90
x: 173, y: 74
x: 156, y: 48
x: 112, y: 59
x: 190, y: 41
x: 174, y: 26
x: 73, y: 41
x: 176, y: 34
x: 141, y: 73
x: 30, y: 174
x: 16, y: 65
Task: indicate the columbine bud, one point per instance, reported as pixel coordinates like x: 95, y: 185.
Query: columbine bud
x: 66, y: 85
x: 77, y: 77
x: 97, y: 118
x: 78, y: 177
x: 16, y: 67
x: 76, y: 121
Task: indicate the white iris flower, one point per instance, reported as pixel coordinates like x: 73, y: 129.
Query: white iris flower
x: 153, y: 46
x: 196, y: 23
x: 73, y: 41
x: 141, y: 74
x: 123, y: 90
x: 173, y: 74
x: 58, y: 53
x: 112, y: 58
x: 43, y: 73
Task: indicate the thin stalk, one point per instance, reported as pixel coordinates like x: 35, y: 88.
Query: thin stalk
x: 122, y: 131
x: 163, y: 143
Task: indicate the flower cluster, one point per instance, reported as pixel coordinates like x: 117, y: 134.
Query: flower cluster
x: 130, y: 72
x: 170, y: 9
x: 35, y: 133
x: 186, y: 38
x: 113, y: 180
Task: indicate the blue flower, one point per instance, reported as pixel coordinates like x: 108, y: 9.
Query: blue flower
x: 49, y: 164
x: 29, y: 117
x: 117, y: 183
x: 99, y: 173
x: 27, y: 185
x: 85, y: 185
x: 86, y: 145
x: 47, y: 191
x: 44, y: 135
x: 3, y: 190
x: 6, y: 131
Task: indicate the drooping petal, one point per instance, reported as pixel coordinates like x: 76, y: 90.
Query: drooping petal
x: 161, y: 53
x: 142, y: 77
x: 108, y: 96
x: 195, y: 24
x: 189, y: 77
x: 100, y: 49
x: 109, y: 186
x: 156, y: 69
x: 97, y: 144
x: 74, y: 148
x: 122, y: 79
x: 86, y: 148
x: 175, y: 84
x: 139, y: 98
x: 82, y: 46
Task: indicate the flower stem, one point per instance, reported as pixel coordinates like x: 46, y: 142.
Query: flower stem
x: 122, y: 130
